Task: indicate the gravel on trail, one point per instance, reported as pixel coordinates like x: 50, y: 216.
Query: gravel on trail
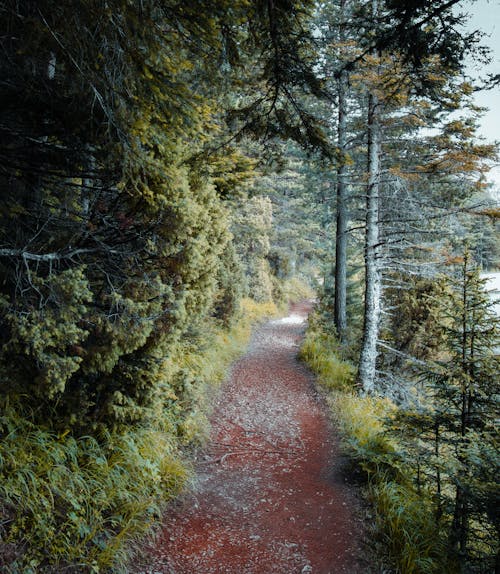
x: 269, y: 494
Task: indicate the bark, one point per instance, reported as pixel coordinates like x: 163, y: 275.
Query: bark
x: 368, y: 356
x: 459, y: 527
x: 340, y: 310
x: 373, y: 282
x: 439, y: 505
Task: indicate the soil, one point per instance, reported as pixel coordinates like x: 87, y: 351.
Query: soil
x: 269, y: 495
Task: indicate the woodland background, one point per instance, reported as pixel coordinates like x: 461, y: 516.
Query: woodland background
x: 171, y: 172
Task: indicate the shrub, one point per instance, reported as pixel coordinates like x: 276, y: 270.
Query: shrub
x: 296, y: 289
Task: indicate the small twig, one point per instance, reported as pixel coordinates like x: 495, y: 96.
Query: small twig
x: 222, y: 458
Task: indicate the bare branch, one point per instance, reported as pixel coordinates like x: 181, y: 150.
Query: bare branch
x: 54, y: 256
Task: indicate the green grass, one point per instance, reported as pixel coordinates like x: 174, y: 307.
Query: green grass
x: 405, y: 522
x: 75, y: 501
x: 320, y: 351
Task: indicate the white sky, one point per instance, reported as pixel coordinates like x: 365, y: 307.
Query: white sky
x: 485, y: 15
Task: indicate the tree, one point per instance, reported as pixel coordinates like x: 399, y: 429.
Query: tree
x: 371, y: 319
x: 112, y: 228
x: 454, y: 423
x: 466, y: 389
x: 400, y: 94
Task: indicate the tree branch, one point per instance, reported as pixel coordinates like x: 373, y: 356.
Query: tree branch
x: 54, y: 256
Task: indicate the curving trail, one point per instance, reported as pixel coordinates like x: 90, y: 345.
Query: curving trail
x: 269, y: 495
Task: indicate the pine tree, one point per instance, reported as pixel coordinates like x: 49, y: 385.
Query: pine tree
x: 453, y: 430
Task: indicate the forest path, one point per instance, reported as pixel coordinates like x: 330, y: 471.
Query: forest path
x: 269, y: 495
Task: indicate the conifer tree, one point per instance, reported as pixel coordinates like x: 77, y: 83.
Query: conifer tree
x: 453, y: 428
x: 465, y: 391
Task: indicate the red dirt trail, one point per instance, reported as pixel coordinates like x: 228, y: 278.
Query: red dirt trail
x: 269, y: 495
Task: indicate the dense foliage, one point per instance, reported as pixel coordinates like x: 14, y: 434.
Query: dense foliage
x: 168, y: 171
x: 120, y: 273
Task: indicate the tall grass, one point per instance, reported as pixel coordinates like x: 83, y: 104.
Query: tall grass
x: 73, y: 502
x: 408, y: 536
x: 77, y: 504
x: 320, y: 350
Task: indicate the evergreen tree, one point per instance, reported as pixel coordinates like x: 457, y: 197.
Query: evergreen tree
x: 454, y: 426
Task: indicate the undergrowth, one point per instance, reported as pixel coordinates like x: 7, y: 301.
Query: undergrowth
x: 405, y: 529
x: 321, y: 351
x: 295, y: 289
x: 72, y: 502
x: 78, y: 504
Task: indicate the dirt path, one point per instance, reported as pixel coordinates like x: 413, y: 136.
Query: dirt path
x: 269, y: 496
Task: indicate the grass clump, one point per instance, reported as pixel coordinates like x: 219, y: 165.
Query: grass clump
x: 73, y: 503
x: 405, y: 521
x: 320, y: 350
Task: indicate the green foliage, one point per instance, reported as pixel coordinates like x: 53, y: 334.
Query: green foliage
x: 251, y: 228
x: 413, y: 327
x: 406, y: 530
x: 109, y: 187
x: 332, y: 371
x: 453, y: 432
x: 230, y: 282
x: 297, y: 289
x: 254, y: 312
x: 321, y: 351
x: 49, y: 336
x: 128, y: 234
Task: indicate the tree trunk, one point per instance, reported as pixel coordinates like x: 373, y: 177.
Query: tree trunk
x: 340, y: 312
x: 459, y: 526
x: 373, y: 287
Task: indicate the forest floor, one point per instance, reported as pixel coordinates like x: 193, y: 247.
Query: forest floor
x: 270, y: 494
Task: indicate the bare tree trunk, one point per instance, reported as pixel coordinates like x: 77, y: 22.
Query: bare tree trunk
x: 373, y: 282
x: 340, y: 311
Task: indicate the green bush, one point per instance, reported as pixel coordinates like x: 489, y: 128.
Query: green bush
x: 296, y: 289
